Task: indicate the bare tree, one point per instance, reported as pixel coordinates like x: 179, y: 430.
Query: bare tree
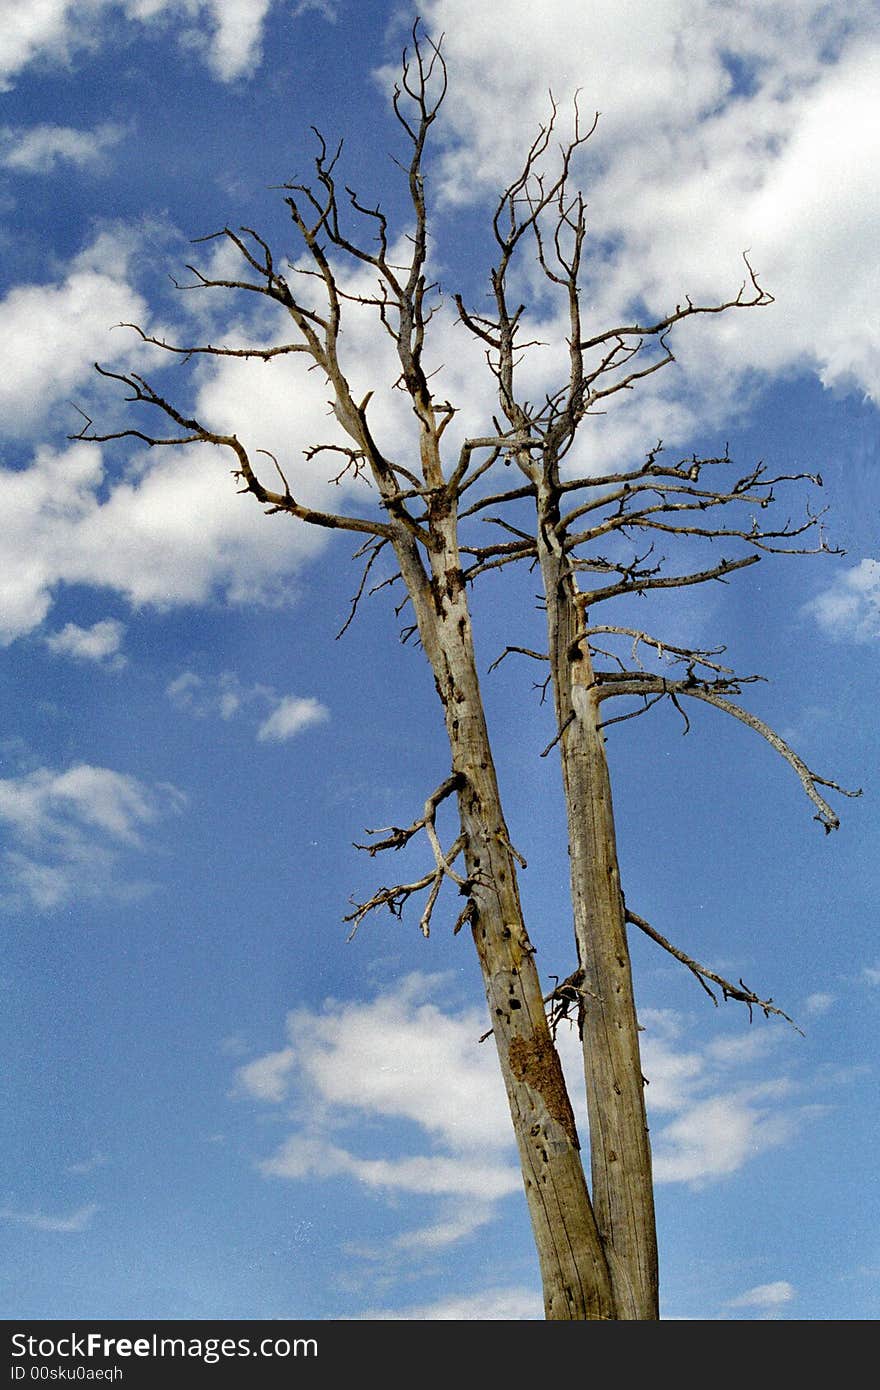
x: 596, y: 1246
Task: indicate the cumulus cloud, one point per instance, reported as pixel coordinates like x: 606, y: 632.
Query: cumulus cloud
x: 31, y: 29
x: 291, y: 715
x: 177, y: 534
x: 38, y: 1221
x: 68, y: 830
x: 170, y: 529
x: 99, y: 643
x: 39, y: 149
x: 60, y: 327
x: 849, y: 609
x: 723, y: 128
x: 402, y: 1058
x: 228, y: 32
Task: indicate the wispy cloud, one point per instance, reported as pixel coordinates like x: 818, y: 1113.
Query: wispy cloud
x: 38, y: 1221
x: 765, y: 1296
x: 849, y: 609
x: 398, y: 1057
x: 70, y: 828
x: 88, y: 1165
x: 819, y: 1003
x: 489, y: 1305
x: 40, y: 149
x: 226, y: 697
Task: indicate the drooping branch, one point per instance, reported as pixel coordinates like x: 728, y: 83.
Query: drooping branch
x: 372, y: 549
x: 196, y: 433
x: 633, y: 683
x: 741, y: 992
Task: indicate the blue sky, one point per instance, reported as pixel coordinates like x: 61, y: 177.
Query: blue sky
x: 219, y: 1107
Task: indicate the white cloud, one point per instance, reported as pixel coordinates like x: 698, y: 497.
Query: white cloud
x: 406, y: 1056
x: 819, y: 1003
x: 39, y: 149
x: 871, y: 974
x: 38, y: 1221
x: 723, y: 128
x: 228, y: 32
x: 716, y: 1136
x: 432, y: 1175
x: 42, y: 802
x: 99, y: 643
x: 227, y: 697
x: 178, y: 534
x: 69, y: 829
x: 39, y: 27
x: 234, y: 48
x: 490, y: 1305
x: 765, y: 1296
x: 849, y: 609
x: 291, y: 715
x: 398, y: 1057
x: 61, y: 327
x: 268, y: 1077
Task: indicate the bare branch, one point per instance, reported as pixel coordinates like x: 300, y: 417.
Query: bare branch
x: 697, y: 690
x: 740, y: 992
x: 372, y: 548
x: 523, y: 651
x: 693, y: 656
x: 210, y: 350
x: 396, y: 836
x: 395, y: 898
x: 675, y: 581
x: 751, y: 295
x: 558, y: 735
x: 196, y: 432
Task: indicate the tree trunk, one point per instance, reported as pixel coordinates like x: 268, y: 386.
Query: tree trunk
x: 620, y: 1154
x: 574, y: 1269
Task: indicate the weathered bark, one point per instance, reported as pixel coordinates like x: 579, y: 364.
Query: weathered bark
x: 620, y: 1155
x: 574, y: 1269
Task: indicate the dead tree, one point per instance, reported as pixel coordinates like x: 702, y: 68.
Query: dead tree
x: 593, y: 527
x: 597, y: 1255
